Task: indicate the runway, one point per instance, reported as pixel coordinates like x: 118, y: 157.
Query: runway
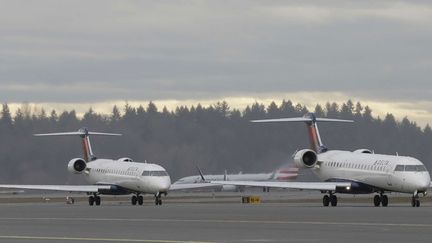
x: 207, y: 222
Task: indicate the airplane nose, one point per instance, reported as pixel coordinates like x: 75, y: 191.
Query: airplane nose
x: 423, y: 183
x: 165, y: 184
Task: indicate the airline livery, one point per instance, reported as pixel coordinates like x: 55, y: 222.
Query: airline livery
x: 283, y: 174
x: 358, y: 172
x: 112, y: 177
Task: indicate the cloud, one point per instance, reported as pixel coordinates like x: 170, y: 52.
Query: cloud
x: 86, y: 52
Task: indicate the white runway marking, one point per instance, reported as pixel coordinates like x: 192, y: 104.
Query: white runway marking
x: 225, y: 221
x: 54, y: 238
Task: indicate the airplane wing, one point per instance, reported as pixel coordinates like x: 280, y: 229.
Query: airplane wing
x: 175, y: 186
x: 65, y: 188
x: 319, y: 186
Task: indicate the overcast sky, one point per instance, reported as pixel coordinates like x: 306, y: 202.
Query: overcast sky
x: 72, y: 54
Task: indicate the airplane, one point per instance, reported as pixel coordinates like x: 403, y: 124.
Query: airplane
x: 358, y: 172
x: 283, y: 174
x: 112, y: 177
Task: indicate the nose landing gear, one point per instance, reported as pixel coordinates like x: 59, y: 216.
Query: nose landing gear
x: 415, y: 201
x: 158, y: 199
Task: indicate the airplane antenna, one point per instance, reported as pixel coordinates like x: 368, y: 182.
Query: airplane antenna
x: 84, y: 133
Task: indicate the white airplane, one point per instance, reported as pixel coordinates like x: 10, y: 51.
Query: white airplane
x: 112, y: 177
x: 358, y: 172
x: 282, y: 174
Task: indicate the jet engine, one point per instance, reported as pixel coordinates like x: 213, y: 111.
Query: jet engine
x: 363, y: 151
x: 305, y: 158
x: 77, y: 166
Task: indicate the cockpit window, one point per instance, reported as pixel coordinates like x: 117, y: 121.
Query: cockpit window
x: 421, y: 168
x: 400, y: 168
x: 155, y: 173
x: 411, y: 168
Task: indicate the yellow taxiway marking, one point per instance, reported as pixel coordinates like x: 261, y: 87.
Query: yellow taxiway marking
x: 56, y: 238
x: 225, y: 221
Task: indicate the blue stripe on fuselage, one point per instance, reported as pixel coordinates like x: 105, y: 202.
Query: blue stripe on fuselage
x: 356, y: 187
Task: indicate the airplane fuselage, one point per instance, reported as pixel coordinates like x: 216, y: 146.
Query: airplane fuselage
x: 370, y: 173
x: 128, y: 177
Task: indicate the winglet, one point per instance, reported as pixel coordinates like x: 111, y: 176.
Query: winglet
x: 201, y: 174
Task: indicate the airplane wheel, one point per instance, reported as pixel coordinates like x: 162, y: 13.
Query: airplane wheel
x: 97, y: 200
x: 158, y: 201
x: 417, y: 203
x: 91, y: 200
x: 333, y: 200
x: 134, y: 200
x: 140, y: 200
x: 384, y: 201
x: 326, y: 201
x: 377, y: 200
x: 414, y: 202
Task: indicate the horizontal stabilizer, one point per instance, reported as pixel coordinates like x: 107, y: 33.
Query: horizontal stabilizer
x: 79, y: 133
x: 301, y: 119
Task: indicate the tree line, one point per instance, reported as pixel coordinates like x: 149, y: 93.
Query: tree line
x: 215, y: 138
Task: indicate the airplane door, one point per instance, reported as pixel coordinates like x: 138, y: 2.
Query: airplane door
x: 397, y: 178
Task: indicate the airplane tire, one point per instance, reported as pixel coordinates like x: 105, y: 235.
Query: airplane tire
x: 158, y: 201
x: 333, y: 200
x: 326, y: 201
x: 140, y: 200
x: 384, y: 201
x: 377, y: 200
x: 97, y: 200
x: 417, y: 203
x: 413, y: 202
x: 134, y: 200
x: 91, y: 200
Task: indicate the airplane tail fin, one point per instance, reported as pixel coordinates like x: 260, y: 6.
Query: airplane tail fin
x: 203, y: 179
x: 84, y: 133
x: 286, y: 173
x: 311, y: 120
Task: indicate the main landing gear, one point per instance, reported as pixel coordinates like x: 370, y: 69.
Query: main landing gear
x: 381, y: 199
x: 137, y: 199
x: 158, y: 199
x: 95, y: 199
x: 330, y: 199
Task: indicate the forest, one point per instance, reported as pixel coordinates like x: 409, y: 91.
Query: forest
x: 215, y: 138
